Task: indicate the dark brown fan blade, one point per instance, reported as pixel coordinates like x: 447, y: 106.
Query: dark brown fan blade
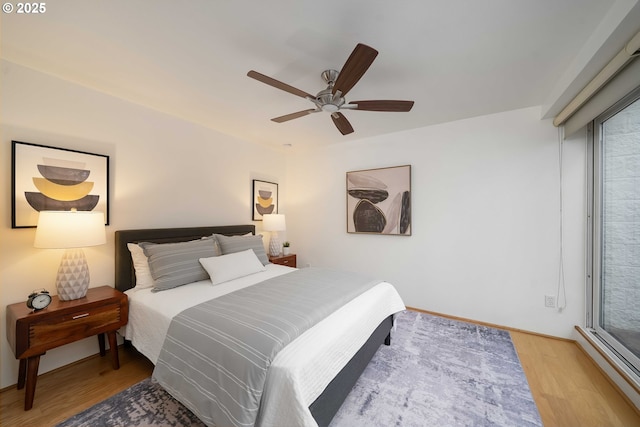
x: 396, y: 106
x: 278, y: 84
x: 292, y: 116
x: 342, y: 123
x: 358, y: 63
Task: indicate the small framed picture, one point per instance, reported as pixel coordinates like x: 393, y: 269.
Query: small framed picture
x: 379, y: 201
x: 47, y: 178
x: 264, y: 199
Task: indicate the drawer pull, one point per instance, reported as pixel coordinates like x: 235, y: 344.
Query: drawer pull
x: 80, y: 316
x: 286, y: 262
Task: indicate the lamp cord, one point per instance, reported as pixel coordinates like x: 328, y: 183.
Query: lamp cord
x: 561, y: 290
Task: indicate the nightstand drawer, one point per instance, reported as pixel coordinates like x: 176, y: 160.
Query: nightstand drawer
x: 288, y: 260
x: 62, y: 330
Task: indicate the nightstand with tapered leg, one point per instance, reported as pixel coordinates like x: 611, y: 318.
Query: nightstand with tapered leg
x: 31, y: 333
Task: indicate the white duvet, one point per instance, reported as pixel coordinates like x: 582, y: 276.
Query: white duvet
x: 302, y: 370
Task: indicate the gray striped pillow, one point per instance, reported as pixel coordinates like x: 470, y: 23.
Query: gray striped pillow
x: 176, y: 264
x: 233, y: 244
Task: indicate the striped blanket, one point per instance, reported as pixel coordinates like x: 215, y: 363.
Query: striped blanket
x: 216, y: 355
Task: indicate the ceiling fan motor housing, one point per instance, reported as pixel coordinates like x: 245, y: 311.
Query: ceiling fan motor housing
x: 326, y: 100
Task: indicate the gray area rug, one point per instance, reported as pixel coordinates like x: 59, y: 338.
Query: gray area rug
x: 437, y: 372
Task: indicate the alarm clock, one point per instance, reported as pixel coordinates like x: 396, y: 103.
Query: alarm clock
x: 39, y: 299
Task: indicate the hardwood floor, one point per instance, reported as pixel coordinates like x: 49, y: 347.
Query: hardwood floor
x: 66, y: 391
x: 568, y: 388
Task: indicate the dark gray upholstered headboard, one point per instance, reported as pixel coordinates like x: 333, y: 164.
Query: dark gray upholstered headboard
x: 125, y: 274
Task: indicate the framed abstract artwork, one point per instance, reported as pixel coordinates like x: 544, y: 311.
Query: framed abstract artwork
x: 264, y: 199
x: 379, y: 201
x: 47, y: 178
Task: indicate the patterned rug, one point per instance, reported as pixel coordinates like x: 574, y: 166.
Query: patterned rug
x: 437, y: 372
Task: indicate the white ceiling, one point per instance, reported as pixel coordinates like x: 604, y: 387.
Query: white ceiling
x: 455, y: 58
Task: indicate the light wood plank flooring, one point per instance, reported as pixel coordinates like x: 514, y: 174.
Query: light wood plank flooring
x: 66, y: 391
x: 568, y: 388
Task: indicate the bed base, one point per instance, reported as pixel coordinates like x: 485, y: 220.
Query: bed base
x: 325, y: 407
x: 327, y: 404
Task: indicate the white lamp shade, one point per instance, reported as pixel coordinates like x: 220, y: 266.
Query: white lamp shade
x: 273, y: 222
x: 70, y: 229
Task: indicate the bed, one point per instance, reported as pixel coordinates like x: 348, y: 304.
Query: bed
x: 317, y: 373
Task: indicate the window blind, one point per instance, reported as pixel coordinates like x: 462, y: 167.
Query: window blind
x: 621, y: 85
x: 617, y: 79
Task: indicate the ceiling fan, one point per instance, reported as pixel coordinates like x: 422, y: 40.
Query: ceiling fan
x: 332, y: 99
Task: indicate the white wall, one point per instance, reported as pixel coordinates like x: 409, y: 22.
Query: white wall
x: 485, y: 208
x: 164, y: 172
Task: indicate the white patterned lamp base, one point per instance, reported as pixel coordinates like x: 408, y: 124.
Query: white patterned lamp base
x: 274, y: 245
x: 72, y: 281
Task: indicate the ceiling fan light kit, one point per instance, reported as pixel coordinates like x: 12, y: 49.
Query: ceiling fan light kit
x: 339, y: 83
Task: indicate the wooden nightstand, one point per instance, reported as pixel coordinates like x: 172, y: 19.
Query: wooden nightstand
x: 31, y: 333
x: 288, y: 260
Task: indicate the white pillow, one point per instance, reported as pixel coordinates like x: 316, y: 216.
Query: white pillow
x: 231, y: 266
x: 141, y: 267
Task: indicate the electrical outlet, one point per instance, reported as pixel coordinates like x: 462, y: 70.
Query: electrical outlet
x: 550, y: 301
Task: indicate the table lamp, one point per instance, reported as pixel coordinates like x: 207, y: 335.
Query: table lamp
x: 274, y: 223
x: 71, y: 230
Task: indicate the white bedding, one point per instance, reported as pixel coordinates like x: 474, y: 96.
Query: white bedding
x: 302, y: 370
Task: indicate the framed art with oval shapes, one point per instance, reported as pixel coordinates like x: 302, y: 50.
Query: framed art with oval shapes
x: 379, y: 201
x: 265, y: 199
x: 56, y: 179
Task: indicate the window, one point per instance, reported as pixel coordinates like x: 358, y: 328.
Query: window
x: 614, y: 243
